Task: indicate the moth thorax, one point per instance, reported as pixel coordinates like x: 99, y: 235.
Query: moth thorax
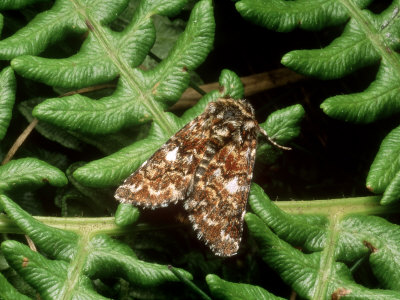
x: 222, y: 131
x: 220, y: 135
x: 250, y: 124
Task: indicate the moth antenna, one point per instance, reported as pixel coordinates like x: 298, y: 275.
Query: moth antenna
x: 264, y: 133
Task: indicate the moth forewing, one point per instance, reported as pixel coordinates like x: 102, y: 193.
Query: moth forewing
x: 218, y: 203
x: 165, y: 176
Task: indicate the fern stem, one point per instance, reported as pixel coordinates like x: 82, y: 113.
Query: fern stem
x: 326, y: 269
x: 358, y: 205
x: 361, y: 205
x: 105, y: 225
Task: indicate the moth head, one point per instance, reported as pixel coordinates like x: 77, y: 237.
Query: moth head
x: 231, y: 109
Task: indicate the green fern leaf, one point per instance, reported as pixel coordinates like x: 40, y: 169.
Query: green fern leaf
x: 7, y: 98
x: 49, y: 26
x: 379, y: 100
x: 285, y: 16
x: 283, y: 125
x: 49, y: 131
x: 75, y: 140
x: 126, y: 214
x: 337, y: 233
x: 392, y: 192
x: 384, y: 169
x: 29, y: 171
x: 386, y: 163
x: 8, y: 292
x: 222, y: 289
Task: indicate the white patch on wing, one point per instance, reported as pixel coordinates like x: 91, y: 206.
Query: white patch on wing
x: 134, y: 188
x: 226, y: 237
x: 171, y: 155
x: 217, y: 172
x: 209, y: 221
x: 248, y: 153
x: 189, y: 159
x: 192, y: 219
x: 192, y: 126
x: 176, y: 194
x: 232, y: 186
x: 202, y: 203
x: 120, y: 199
x: 242, y: 216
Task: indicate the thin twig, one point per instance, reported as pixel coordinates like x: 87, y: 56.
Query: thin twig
x: 197, y: 89
x: 19, y: 141
x: 189, y: 283
x: 293, y: 295
x: 30, y: 243
x: 89, y: 89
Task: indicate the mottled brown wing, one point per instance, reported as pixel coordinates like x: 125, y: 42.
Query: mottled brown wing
x: 218, y: 202
x: 164, y: 178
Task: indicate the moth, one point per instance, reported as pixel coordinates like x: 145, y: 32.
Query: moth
x: 208, y: 165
